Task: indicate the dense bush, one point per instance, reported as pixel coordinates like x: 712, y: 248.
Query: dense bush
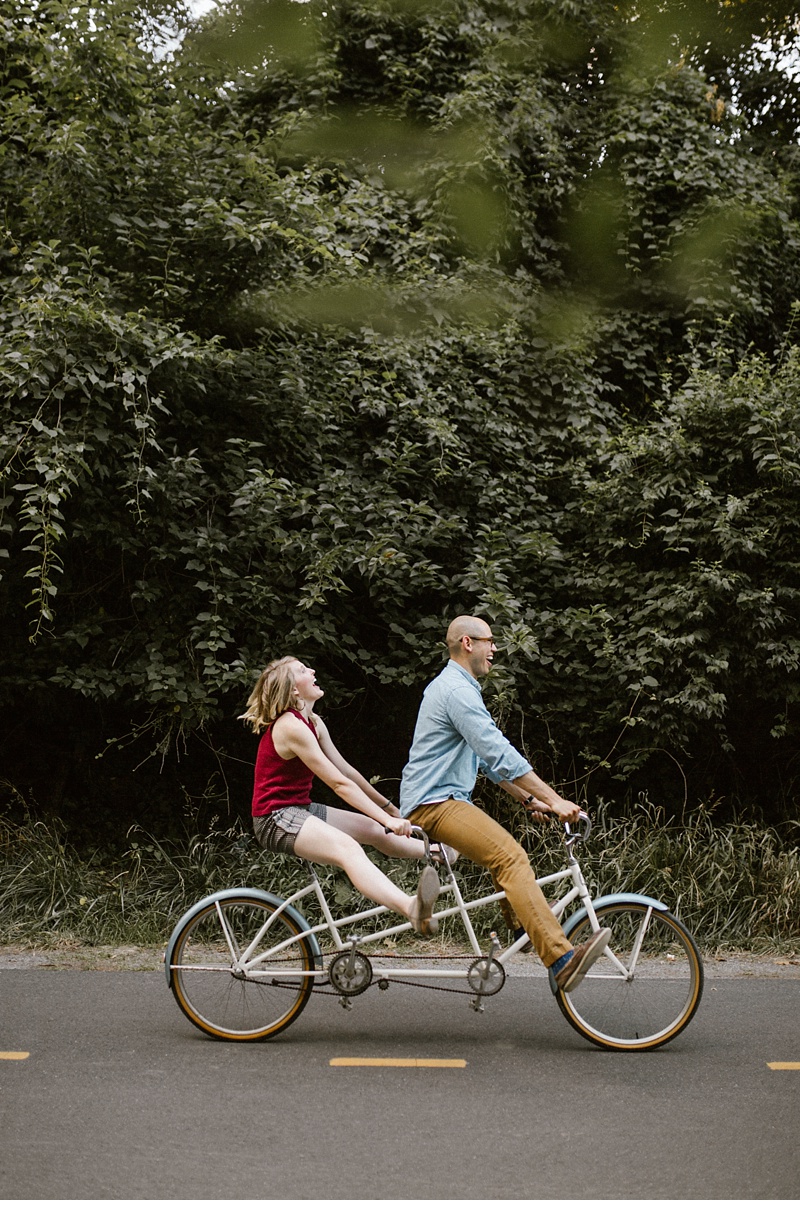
x: 476, y: 309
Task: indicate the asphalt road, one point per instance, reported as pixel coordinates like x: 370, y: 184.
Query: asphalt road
x: 121, y: 1098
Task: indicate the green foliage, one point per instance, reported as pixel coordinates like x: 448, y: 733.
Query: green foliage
x: 734, y: 884
x: 420, y: 309
x: 694, y: 607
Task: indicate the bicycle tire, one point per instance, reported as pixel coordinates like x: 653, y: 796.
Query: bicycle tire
x: 646, y: 1009
x: 233, y: 1005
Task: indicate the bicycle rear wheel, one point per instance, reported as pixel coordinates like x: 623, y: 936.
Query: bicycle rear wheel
x: 648, y: 992
x: 249, y: 1003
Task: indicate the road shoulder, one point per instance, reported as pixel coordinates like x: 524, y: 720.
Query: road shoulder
x: 729, y: 965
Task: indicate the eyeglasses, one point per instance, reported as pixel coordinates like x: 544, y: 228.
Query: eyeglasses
x: 475, y: 639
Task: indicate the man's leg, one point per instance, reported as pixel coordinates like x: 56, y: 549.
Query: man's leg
x: 486, y: 842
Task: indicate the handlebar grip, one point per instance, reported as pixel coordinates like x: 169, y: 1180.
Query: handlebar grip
x: 416, y: 831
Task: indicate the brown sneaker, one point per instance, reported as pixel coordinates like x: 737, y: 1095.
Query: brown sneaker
x: 583, y: 957
x: 427, y: 891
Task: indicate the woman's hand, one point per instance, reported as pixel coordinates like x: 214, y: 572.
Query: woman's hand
x: 397, y: 825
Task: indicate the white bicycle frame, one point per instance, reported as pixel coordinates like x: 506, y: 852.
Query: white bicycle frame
x: 248, y: 962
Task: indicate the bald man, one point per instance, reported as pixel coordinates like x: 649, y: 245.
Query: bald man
x: 454, y: 738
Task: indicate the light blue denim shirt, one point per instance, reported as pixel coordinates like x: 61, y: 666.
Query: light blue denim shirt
x: 455, y: 737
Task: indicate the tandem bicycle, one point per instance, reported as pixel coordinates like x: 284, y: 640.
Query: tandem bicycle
x: 242, y: 963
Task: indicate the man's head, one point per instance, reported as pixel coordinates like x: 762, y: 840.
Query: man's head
x: 470, y: 643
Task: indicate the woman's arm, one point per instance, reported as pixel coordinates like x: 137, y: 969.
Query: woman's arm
x: 293, y: 738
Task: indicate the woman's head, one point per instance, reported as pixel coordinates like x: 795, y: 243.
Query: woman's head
x: 273, y: 693
x: 284, y: 684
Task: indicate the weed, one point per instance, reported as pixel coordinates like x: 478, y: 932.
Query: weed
x: 736, y: 885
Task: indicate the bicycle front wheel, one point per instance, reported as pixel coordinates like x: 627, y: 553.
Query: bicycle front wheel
x: 645, y: 990
x: 227, y: 996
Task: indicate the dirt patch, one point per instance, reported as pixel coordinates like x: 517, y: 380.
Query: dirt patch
x: 763, y: 966
x: 83, y: 958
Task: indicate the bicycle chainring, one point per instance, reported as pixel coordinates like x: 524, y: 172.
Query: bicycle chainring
x: 350, y: 974
x: 486, y: 982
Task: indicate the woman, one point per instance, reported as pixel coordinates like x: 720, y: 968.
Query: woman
x: 295, y: 746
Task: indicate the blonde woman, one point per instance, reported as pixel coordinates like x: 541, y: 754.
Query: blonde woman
x: 295, y: 745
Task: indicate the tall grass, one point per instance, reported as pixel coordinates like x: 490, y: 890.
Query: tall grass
x: 736, y: 885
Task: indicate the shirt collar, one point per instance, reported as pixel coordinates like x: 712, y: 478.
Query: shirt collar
x: 459, y: 669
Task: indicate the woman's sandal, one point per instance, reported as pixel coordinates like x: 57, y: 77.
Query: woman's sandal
x: 422, y: 907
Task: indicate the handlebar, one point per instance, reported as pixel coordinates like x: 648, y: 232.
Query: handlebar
x: 585, y: 821
x: 416, y: 831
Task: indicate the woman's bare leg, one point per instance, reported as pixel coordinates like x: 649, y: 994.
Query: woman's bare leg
x: 369, y: 832
x: 319, y: 841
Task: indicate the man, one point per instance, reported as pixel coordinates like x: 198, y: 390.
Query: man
x: 454, y: 738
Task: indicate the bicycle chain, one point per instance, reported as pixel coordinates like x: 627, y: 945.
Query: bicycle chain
x: 430, y: 987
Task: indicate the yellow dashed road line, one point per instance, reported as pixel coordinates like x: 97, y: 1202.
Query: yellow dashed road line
x: 398, y: 1062
x: 784, y: 1066
x: 14, y: 1054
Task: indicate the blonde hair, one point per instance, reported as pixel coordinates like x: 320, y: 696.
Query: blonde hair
x: 272, y: 694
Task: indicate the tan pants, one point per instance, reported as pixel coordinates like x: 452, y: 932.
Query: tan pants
x: 483, y: 840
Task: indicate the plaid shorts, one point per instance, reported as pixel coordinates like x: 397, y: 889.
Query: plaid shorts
x: 277, y: 831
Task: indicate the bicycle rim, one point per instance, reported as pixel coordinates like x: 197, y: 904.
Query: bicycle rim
x: 654, y: 998
x: 233, y: 1004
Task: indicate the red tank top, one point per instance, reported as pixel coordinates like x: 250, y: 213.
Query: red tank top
x: 280, y: 782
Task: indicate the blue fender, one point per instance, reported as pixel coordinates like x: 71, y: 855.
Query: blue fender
x: 621, y: 897
x: 248, y: 893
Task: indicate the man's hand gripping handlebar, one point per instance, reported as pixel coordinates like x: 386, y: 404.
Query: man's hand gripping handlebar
x: 542, y: 812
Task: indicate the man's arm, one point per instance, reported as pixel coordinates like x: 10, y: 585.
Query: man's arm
x: 530, y: 784
x: 498, y: 758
